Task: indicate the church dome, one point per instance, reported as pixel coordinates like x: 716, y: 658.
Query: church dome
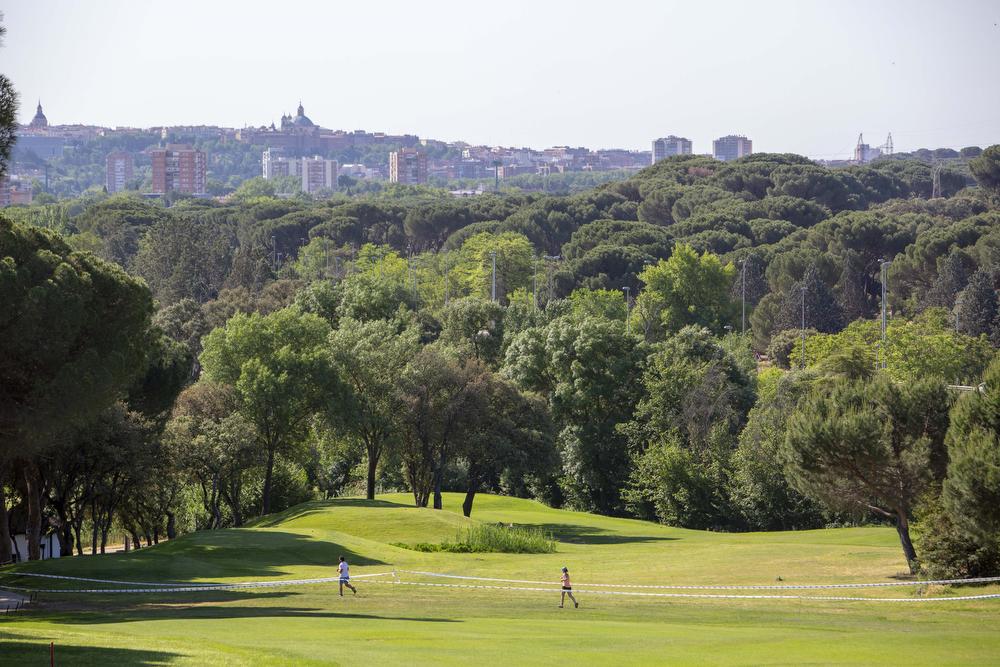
x: 40, y: 120
x: 301, y: 120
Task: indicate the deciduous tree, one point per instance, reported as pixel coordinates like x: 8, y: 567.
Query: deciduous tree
x: 281, y: 372
x: 371, y: 357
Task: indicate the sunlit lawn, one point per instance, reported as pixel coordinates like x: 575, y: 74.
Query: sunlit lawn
x: 388, y: 624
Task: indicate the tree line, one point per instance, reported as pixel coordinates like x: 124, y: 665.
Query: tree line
x: 636, y: 350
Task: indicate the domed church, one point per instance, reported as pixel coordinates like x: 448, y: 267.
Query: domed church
x: 40, y: 121
x: 300, y: 121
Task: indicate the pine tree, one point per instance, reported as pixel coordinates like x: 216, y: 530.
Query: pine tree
x: 971, y: 491
x: 976, y: 305
x: 822, y: 312
x: 8, y: 113
x: 954, y: 271
x: 854, y: 296
x: 756, y: 282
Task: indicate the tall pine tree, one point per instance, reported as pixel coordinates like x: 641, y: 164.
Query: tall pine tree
x: 954, y: 271
x: 976, y: 305
x: 753, y: 275
x: 822, y: 312
x: 854, y: 288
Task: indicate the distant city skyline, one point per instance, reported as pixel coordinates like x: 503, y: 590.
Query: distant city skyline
x: 797, y: 77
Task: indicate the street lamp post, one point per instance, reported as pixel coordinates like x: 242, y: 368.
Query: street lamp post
x: 493, y: 290
x: 802, y: 361
x: 743, y: 295
x: 534, y: 284
x: 554, y: 258
x: 884, y: 277
x: 628, y: 310
x: 413, y: 279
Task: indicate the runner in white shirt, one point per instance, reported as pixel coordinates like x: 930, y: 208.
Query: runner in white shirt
x: 345, y: 577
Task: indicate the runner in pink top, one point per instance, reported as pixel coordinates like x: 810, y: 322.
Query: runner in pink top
x: 567, y: 589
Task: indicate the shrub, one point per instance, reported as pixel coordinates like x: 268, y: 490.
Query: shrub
x: 782, y: 344
x: 493, y: 538
x: 948, y: 552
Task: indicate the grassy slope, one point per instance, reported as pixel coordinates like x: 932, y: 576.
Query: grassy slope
x: 397, y: 625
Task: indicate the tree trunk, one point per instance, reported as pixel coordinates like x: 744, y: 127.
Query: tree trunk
x: 373, y: 456
x: 232, y: 493
x: 32, y: 486
x: 903, y: 528
x: 5, y: 550
x: 94, y: 527
x: 438, y: 476
x: 470, y: 495
x: 135, y: 539
x: 266, y: 502
x: 77, y: 532
x: 237, y: 513
x: 171, y: 526
x: 65, y: 533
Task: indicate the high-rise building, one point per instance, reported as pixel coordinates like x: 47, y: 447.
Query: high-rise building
x: 408, y: 166
x: 668, y: 146
x: 120, y: 169
x: 178, y: 168
x: 318, y: 174
x: 275, y: 164
x: 731, y: 147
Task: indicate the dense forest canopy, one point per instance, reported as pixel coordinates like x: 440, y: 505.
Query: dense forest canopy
x: 640, y: 348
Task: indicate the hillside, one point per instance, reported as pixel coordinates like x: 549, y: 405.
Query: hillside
x: 394, y: 624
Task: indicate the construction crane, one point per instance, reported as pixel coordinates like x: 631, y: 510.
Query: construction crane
x: 864, y: 153
x: 936, y: 180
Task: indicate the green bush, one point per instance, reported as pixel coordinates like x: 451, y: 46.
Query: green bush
x: 784, y: 343
x: 493, y: 538
x: 947, y: 551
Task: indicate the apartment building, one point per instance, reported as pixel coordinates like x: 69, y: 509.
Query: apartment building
x: 120, y: 170
x: 408, y: 166
x: 731, y: 147
x: 665, y: 147
x: 178, y: 168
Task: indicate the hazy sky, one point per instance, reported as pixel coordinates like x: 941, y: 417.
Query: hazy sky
x: 799, y: 76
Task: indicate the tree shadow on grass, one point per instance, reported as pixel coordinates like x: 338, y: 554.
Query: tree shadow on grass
x: 318, y: 506
x: 30, y: 653
x: 190, y: 607
x: 211, y: 555
x: 574, y: 534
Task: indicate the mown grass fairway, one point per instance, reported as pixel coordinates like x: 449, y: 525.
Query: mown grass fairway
x: 400, y: 625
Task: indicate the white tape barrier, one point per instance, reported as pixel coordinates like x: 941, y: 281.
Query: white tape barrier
x: 701, y: 596
x: 147, y: 587
x: 731, y: 587
x: 551, y: 588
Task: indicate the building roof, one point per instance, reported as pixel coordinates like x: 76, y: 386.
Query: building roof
x: 301, y: 120
x: 39, y: 120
